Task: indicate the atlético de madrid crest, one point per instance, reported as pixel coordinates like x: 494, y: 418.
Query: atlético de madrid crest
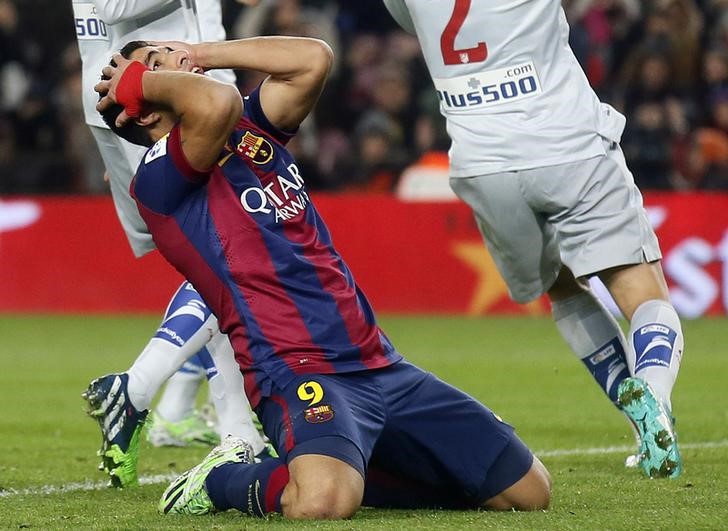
x: 256, y: 148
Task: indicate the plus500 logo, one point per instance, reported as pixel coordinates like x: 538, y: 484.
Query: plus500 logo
x: 521, y: 83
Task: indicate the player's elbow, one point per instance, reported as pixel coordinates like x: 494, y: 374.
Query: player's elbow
x: 318, y: 57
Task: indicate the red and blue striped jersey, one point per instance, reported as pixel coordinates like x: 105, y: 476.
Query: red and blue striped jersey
x: 247, y: 236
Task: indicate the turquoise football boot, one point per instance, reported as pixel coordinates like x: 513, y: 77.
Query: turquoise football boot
x: 659, y: 452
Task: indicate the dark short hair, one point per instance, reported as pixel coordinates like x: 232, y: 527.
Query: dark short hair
x: 131, y: 131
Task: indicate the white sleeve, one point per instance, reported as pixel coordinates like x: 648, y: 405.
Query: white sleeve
x: 115, y: 11
x: 399, y: 12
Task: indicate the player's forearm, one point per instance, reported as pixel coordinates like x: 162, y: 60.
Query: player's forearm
x: 281, y: 57
x: 297, y: 69
x: 207, y: 111
x: 192, y: 96
x: 116, y: 11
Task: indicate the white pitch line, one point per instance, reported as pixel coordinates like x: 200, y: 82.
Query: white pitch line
x: 623, y: 449
x: 162, y: 478
x: 81, y: 486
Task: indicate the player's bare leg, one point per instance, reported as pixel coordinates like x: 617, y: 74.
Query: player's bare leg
x: 530, y: 493
x: 656, y: 339
x: 321, y: 487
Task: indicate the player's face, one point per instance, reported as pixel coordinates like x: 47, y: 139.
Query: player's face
x: 163, y: 58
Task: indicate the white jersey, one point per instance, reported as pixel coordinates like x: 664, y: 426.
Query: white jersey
x: 511, y: 90
x: 103, y: 27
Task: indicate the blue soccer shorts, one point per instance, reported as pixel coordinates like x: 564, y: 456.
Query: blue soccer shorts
x: 400, y: 422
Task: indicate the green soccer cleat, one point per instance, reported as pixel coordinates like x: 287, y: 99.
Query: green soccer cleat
x: 659, y: 453
x: 191, y: 431
x: 121, y: 425
x: 187, y: 494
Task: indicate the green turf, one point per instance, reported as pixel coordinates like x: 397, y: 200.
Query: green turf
x: 518, y: 367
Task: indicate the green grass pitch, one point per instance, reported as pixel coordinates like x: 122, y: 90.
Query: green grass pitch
x: 517, y: 366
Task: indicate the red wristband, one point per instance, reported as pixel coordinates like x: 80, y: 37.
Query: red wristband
x: 129, y: 92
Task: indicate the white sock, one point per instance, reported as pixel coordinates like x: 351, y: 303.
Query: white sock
x: 595, y: 337
x: 159, y: 360
x: 180, y: 394
x: 657, y: 340
x: 228, y: 395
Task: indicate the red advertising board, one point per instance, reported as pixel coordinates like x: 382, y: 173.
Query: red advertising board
x: 69, y: 254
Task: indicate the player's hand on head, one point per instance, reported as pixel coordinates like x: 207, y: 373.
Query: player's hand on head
x: 111, y: 74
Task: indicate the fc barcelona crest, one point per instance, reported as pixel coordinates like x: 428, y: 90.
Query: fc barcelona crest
x: 256, y: 148
x: 318, y: 414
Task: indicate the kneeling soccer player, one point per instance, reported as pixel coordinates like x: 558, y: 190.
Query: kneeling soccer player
x: 227, y: 206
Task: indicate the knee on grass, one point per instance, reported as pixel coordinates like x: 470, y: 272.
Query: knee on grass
x: 530, y: 493
x: 321, y: 488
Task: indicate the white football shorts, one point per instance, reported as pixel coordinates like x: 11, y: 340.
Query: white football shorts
x: 587, y: 215
x: 122, y: 159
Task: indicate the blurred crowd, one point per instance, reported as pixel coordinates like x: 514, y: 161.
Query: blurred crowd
x: 664, y: 63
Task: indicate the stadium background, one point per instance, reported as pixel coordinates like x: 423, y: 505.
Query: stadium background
x: 373, y: 153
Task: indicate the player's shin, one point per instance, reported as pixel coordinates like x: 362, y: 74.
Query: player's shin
x: 176, y: 421
x: 595, y: 337
x: 180, y: 393
x: 187, y: 326
x: 656, y: 335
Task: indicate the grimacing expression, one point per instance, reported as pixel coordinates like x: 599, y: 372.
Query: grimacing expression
x: 165, y: 58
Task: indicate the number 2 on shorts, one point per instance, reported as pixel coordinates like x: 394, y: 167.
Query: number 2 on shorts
x: 450, y: 55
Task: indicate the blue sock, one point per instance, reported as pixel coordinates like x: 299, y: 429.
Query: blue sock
x: 254, y: 489
x: 205, y: 361
x: 658, y: 346
x: 185, y: 314
x: 608, y: 366
x: 653, y: 345
x: 595, y: 337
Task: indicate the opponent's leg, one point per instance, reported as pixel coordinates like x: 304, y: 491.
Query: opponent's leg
x: 656, y: 336
x: 641, y: 293
x: 234, y: 415
x: 119, y: 402
x: 179, y: 397
x: 187, y: 326
x: 175, y: 421
x: 591, y: 331
x: 594, y: 336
